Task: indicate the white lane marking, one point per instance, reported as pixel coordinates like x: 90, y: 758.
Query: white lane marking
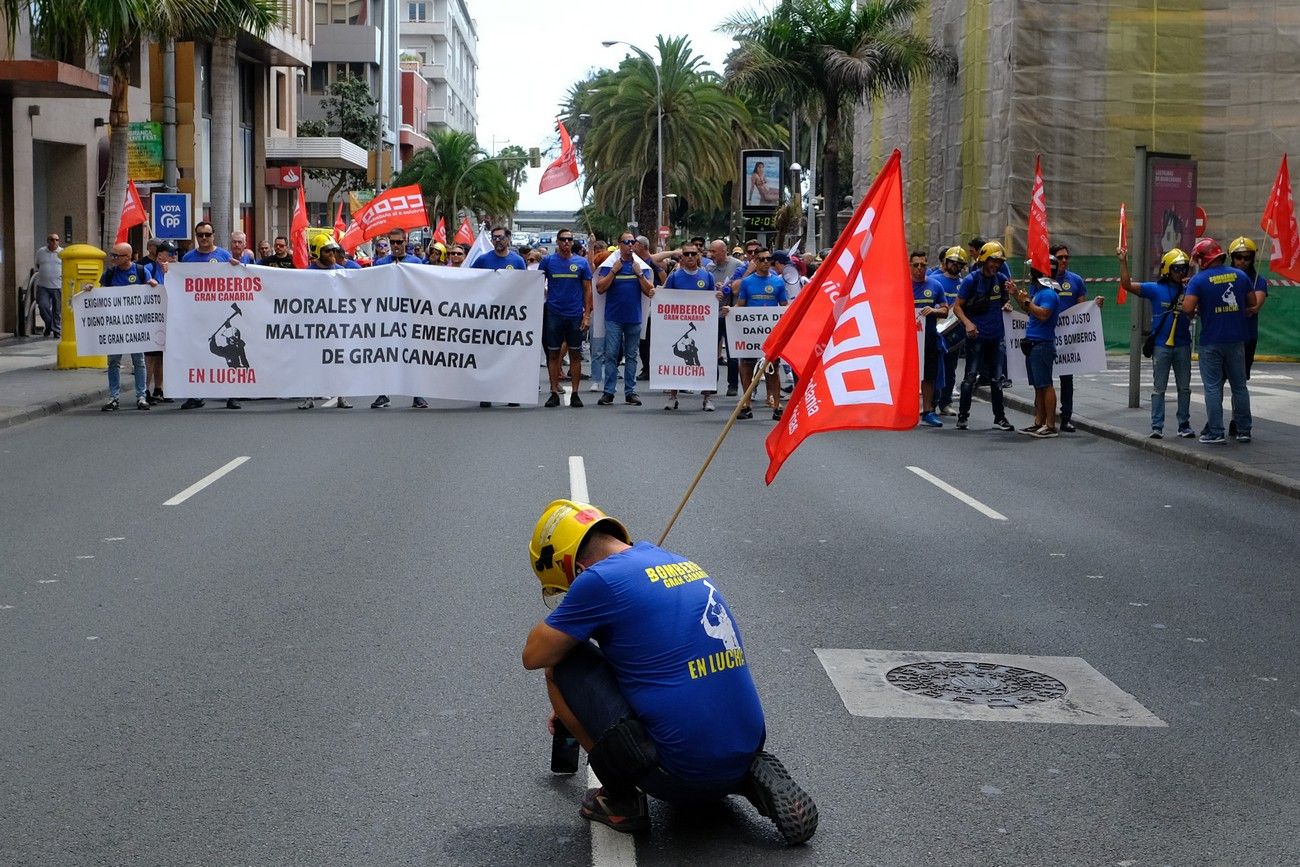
x: 965, y: 498
x: 609, y: 848
x: 205, y: 481
x: 115, y: 539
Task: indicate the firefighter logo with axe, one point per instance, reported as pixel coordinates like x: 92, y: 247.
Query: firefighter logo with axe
x: 686, y: 349
x: 231, y: 345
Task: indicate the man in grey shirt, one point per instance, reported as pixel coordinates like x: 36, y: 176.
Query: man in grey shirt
x: 49, y: 285
x: 724, y: 269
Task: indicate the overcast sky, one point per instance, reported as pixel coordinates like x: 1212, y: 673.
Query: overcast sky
x: 530, y: 53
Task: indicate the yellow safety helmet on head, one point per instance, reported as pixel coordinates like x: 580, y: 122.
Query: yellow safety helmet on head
x: 1242, y: 245
x: 991, y: 250
x: 441, y: 251
x: 1173, y: 258
x: 560, y: 532
x: 957, y: 254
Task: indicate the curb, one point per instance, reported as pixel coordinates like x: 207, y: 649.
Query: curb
x: 1274, y: 482
x: 52, y: 407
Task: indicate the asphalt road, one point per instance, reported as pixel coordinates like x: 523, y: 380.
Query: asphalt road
x: 315, y: 659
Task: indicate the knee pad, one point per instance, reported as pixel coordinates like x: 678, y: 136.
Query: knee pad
x: 624, y: 754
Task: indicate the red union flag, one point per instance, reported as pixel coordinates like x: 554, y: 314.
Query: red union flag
x: 1279, y: 224
x: 1039, y: 255
x: 465, y: 234
x: 298, y: 232
x: 1121, y: 297
x: 440, y: 233
x: 862, y: 368
x: 396, y: 208
x: 564, y: 169
x: 132, y: 213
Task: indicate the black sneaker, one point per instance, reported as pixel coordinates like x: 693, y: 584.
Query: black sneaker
x: 111, y: 406
x: 731, y: 391
x: 772, y: 791
x: 231, y: 403
x: 379, y: 402
x: 628, y: 815
x: 152, y: 399
x: 961, y: 424
x: 1003, y: 424
x: 1068, y: 427
x: 307, y: 403
x: 1186, y: 433
x: 632, y: 399
x: 192, y: 403
x: 419, y: 403
x: 484, y: 404
x: 143, y: 403
x: 1155, y: 435
x: 745, y: 413
x: 553, y: 400
x: 575, y: 401
x: 776, y: 414
x: 605, y: 399
x: 343, y: 403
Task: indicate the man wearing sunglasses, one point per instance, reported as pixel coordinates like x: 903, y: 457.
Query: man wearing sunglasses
x: 281, y: 257
x: 691, y: 275
x: 566, y: 314
x: 205, y: 247
x: 49, y: 285
x: 1171, y: 336
x: 1072, y: 292
x: 456, y: 256
x: 762, y: 288
x: 623, y: 278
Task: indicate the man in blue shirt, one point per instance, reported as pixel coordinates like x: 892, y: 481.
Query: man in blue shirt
x: 566, y: 314
x: 663, y: 702
x: 949, y: 277
x: 930, y: 303
x: 1224, y: 298
x: 1039, y: 347
x: 1171, y: 336
x: 164, y: 254
x: 761, y: 288
x: 979, y: 307
x: 1073, y: 291
x: 121, y: 271
x: 1241, y: 254
x: 501, y: 257
x: 205, y: 248
x: 397, y: 244
x: 239, y: 251
x: 622, y: 278
x: 691, y: 276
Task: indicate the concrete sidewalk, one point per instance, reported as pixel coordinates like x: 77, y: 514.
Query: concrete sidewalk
x: 1271, y: 460
x: 31, y: 387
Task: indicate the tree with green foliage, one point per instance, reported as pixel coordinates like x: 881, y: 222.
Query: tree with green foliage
x: 829, y: 56
x: 612, y: 114
x: 455, y: 174
x: 351, y: 113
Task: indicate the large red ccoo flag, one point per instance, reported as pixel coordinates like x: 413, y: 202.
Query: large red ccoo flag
x: 860, y: 370
x: 564, y: 169
x: 132, y: 213
x: 394, y: 208
x: 1279, y: 224
x: 1039, y: 246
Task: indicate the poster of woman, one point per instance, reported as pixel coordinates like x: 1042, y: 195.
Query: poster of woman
x: 762, y: 179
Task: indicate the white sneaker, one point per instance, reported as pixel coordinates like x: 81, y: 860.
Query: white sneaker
x: 708, y: 405
x: 595, y: 386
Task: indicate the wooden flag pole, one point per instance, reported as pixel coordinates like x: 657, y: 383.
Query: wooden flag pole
x: 759, y: 371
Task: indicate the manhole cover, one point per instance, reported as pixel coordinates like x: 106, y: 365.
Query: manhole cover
x: 977, y: 683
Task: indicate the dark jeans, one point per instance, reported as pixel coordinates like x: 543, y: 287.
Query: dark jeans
x: 50, y: 302
x: 1065, y: 394
x: 590, y: 689
x: 1250, y: 354
x: 983, y: 357
x: 733, y: 364
x: 950, y: 377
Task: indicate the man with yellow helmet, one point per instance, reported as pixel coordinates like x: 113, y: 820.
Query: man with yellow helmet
x: 1241, y: 255
x: 948, y: 276
x: 979, y: 307
x: 663, y: 701
x: 1171, y: 336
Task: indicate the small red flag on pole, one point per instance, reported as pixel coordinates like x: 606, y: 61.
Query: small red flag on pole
x: 440, y: 233
x: 465, y: 234
x: 1121, y: 297
x: 298, y: 232
x: 1279, y: 223
x: 132, y: 213
x: 339, y: 226
x: 1039, y: 246
x: 564, y: 169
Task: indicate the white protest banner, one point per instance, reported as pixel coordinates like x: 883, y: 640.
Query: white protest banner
x: 450, y: 333
x: 748, y: 327
x: 113, y: 320
x: 683, y: 339
x: 1080, y: 344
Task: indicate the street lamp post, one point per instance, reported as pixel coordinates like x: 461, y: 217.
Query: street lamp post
x: 659, y: 118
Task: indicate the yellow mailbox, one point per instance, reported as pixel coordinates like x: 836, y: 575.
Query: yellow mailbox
x: 82, y: 264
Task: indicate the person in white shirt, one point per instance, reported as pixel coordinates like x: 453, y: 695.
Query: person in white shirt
x: 49, y: 285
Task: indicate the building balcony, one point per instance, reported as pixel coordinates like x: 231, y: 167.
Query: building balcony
x: 280, y: 46
x: 40, y: 79
x: 347, y: 43
x: 326, y: 152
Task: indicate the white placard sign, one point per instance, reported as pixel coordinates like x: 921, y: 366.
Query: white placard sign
x: 1080, y: 343
x: 118, y: 320
x: 683, y: 339
x: 450, y: 333
x: 748, y: 327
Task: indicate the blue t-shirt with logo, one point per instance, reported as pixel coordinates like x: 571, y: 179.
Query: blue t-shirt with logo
x: 511, y: 261
x: 767, y: 291
x: 1045, y: 296
x: 701, y: 280
x: 135, y: 275
x: 677, y: 654
x: 1221, y: 294
x: 949, y: 285
x: 976, y: 285
x: 623, y: 296
x: 1167, y: 313
x: 218, y: 254
x: 1072, y: 289
x: 156, y: 272
x: 246, y: 257
x: 564, y: 276
x: 351, y: 265
x: 390, y: 260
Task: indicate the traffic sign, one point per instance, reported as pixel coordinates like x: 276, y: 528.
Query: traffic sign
x: 171, y: 216
x: 663, y: 233
x: 1201, y: 221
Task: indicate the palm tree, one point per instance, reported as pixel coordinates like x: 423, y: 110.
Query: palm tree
x: 613, y: 116
x: 830, y: 55
x: 456, y: 174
